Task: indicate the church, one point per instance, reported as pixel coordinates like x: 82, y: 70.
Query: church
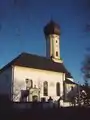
x: 30, y: 77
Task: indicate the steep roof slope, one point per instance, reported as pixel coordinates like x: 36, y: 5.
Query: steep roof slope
x: 38, y: 62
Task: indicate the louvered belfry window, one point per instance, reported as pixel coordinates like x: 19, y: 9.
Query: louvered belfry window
x: 56, y: 53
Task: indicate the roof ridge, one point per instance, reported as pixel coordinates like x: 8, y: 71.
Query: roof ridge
x: 35, y: 61
x: 17, y: 57
x: 35, y: 55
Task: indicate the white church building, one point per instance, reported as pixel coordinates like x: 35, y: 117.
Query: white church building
x: 30, y: 77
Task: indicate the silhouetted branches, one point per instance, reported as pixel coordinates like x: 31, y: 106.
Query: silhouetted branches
x: 86, y: 75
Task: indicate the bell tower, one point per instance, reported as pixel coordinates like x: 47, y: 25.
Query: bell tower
x: 52, y: 35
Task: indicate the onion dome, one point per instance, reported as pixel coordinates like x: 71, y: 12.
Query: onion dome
x: 52, y: 28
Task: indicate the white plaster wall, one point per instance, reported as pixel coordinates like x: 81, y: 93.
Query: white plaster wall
x: 38, y: 77
x: 68, y: 89
x: 5, y: 82
x: 54, y: 46
x: 67, y: 104
x: 69, y: 93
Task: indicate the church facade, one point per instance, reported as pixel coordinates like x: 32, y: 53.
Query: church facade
x: 31, y: 77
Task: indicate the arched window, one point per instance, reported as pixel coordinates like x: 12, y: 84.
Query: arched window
x: 58, y: 89
x: 45, y: 88
x: 72, y: 88
x: 29, y: 83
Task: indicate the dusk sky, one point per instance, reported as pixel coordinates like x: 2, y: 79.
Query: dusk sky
x: 21, y: 29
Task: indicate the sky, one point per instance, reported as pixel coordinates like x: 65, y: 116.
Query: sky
x: 22, y: 23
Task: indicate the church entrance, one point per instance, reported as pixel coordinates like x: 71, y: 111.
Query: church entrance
x: 34, y: 94
x: 35, y: 98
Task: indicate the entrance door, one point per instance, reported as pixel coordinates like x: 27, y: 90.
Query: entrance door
x: 34, y: 98
x: 34, y: 94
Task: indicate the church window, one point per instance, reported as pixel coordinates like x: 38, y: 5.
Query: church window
x: 72, y: 88
x: 56, y: 41
x: 29, y: 83
x: 56, y: 53
x: 58, y: 89
x: 45, y: 88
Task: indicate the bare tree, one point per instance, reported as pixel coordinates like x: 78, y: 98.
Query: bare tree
x: 86, y: 74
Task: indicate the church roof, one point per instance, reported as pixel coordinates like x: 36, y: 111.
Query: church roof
x: 68, y: 75
x: 37, y: 62
x: 70, y: 82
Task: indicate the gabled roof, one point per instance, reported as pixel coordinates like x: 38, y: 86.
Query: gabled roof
x: 68, y: 75
x: 70, y: 82
x: 38, y: 62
